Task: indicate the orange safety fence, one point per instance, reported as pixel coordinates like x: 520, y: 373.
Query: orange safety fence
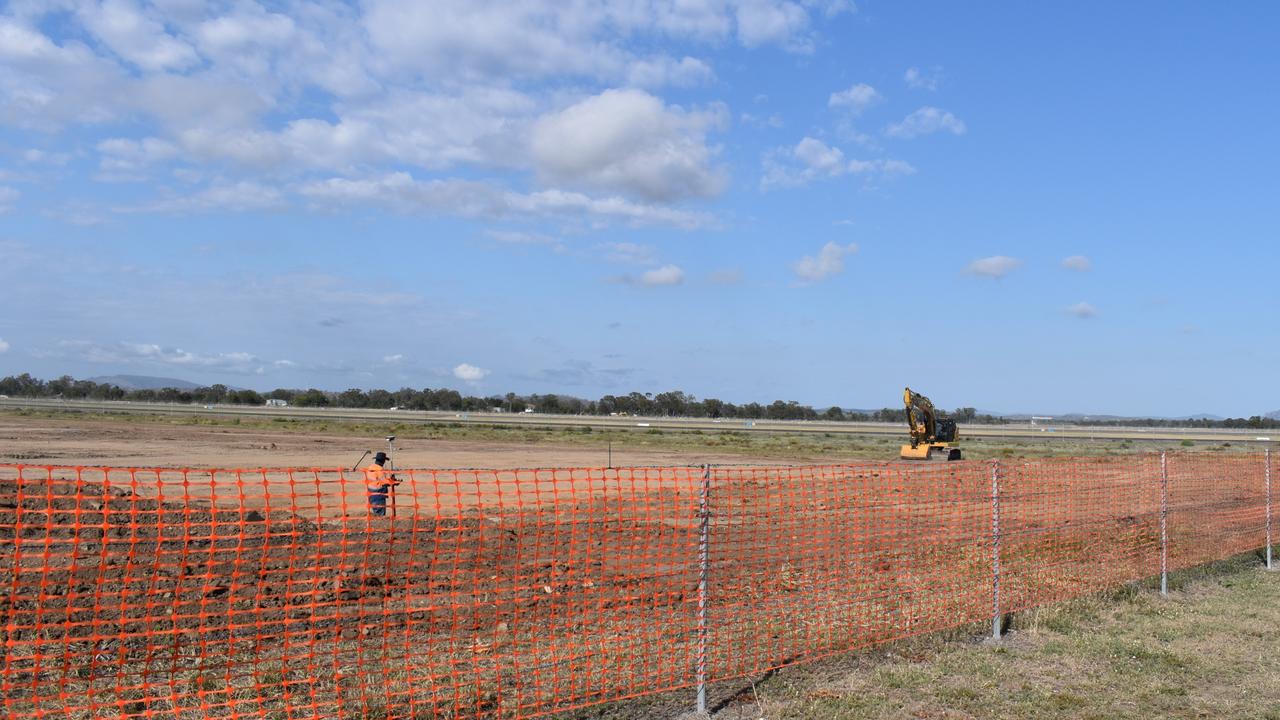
x: 277, y: 593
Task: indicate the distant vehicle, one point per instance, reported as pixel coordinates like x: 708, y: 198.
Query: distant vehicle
x: 1261, y: 439
x: 394, y: 407
x: 4, y: 397
x: 276, y: 402
x: 528, y: 410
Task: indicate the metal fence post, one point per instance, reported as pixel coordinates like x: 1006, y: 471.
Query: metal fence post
x: 1267, y: 475
x: 704, y: 524
x: 1164, y: 523
x: 995, y: 550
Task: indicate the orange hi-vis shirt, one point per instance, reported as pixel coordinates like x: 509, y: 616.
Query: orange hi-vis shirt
x: 376, y: 477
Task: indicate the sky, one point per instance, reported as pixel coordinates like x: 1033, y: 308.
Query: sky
x: 1020, y: 207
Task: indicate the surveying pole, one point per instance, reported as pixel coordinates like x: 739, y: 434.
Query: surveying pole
x: 391, y: 439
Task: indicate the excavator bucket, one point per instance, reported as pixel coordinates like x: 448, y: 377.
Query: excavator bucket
x: 936, y: 452
x: 915, y: 453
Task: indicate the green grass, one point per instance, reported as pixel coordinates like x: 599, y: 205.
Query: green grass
x: 1207, y: 650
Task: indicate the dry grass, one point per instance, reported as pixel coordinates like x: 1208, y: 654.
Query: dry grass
x: 793, y: 448
x: 1206, y: 651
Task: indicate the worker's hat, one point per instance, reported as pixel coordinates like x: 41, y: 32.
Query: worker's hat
x: 380, y: 457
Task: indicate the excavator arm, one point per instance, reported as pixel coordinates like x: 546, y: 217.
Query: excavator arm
x: 921, y: 416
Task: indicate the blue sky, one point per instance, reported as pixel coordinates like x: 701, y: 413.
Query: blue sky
x: 1012, y: 206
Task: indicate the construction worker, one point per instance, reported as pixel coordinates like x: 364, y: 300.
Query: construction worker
x: 378, y: 481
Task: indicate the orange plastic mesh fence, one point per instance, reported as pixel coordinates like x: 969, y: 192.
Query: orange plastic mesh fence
x: 277, y: 593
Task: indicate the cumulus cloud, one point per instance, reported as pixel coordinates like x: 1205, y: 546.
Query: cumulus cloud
x: 470, y: 373
x: 282, y: 96
x: 393, y: 359
x: 996, y: 266
x: 855, y: 99
x: 783, y: 23
x: 1079, y: 263
x: 136, y: 36
x: 665, y: 275
x: 829, y: 261
x: 923, y: 79
x: 4, y: 346
x: 1082, y: 310
x: 926, y: 121
x: 631, y: 142
x: 811, y: 159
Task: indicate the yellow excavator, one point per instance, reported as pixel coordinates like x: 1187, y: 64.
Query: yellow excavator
x: 931, y: 438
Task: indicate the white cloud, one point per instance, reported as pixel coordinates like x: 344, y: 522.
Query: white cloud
x: 154, y: 355
x: 281, y: 96
x: 241, y: 196
x: 996, y: 266
x: 36, y: 156
x: 473, y: 199
x: 812, y: 159
x: 763, y: 22
x: 663, y: 70
x: 135, y: 36
x: 630, y: 253
x: 469, y: 373
x: 923, y: 79
x: 1079, y: 263
x: 515, y: 237
x: 4, y: 346
x: 629, y: 141
x: 1083, y: 310
x: 855, y: 99
x: 393, y: 359
x: 8, y: 197
x: 829, y: 261
x: 665, y: 275
x: 123, y: 158
x: 761, y: 121
x: 926, y: 121
x: 477, y: 40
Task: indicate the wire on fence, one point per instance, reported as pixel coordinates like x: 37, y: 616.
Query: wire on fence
x: 281, y: 592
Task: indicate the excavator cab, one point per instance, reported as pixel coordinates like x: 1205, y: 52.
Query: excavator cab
x: 931, y: 439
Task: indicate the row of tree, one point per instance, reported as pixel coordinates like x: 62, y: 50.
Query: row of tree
x: 671, y: 404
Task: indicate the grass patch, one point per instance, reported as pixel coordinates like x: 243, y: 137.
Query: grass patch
x: 796, y: 448
x: 1206, y: 650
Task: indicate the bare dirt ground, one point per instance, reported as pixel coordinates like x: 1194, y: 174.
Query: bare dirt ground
x: 112, y: 442
x: 500, y: 593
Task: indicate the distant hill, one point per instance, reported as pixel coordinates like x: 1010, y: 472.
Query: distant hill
x: 1273, y: 415
x: 144, y: 382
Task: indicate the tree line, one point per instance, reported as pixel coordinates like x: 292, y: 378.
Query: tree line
x: 670, y: 404
x: 667, y: 404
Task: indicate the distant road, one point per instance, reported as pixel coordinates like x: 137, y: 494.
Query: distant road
x: 538, y: 420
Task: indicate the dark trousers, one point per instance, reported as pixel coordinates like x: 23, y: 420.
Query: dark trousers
x: 378, y: 500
